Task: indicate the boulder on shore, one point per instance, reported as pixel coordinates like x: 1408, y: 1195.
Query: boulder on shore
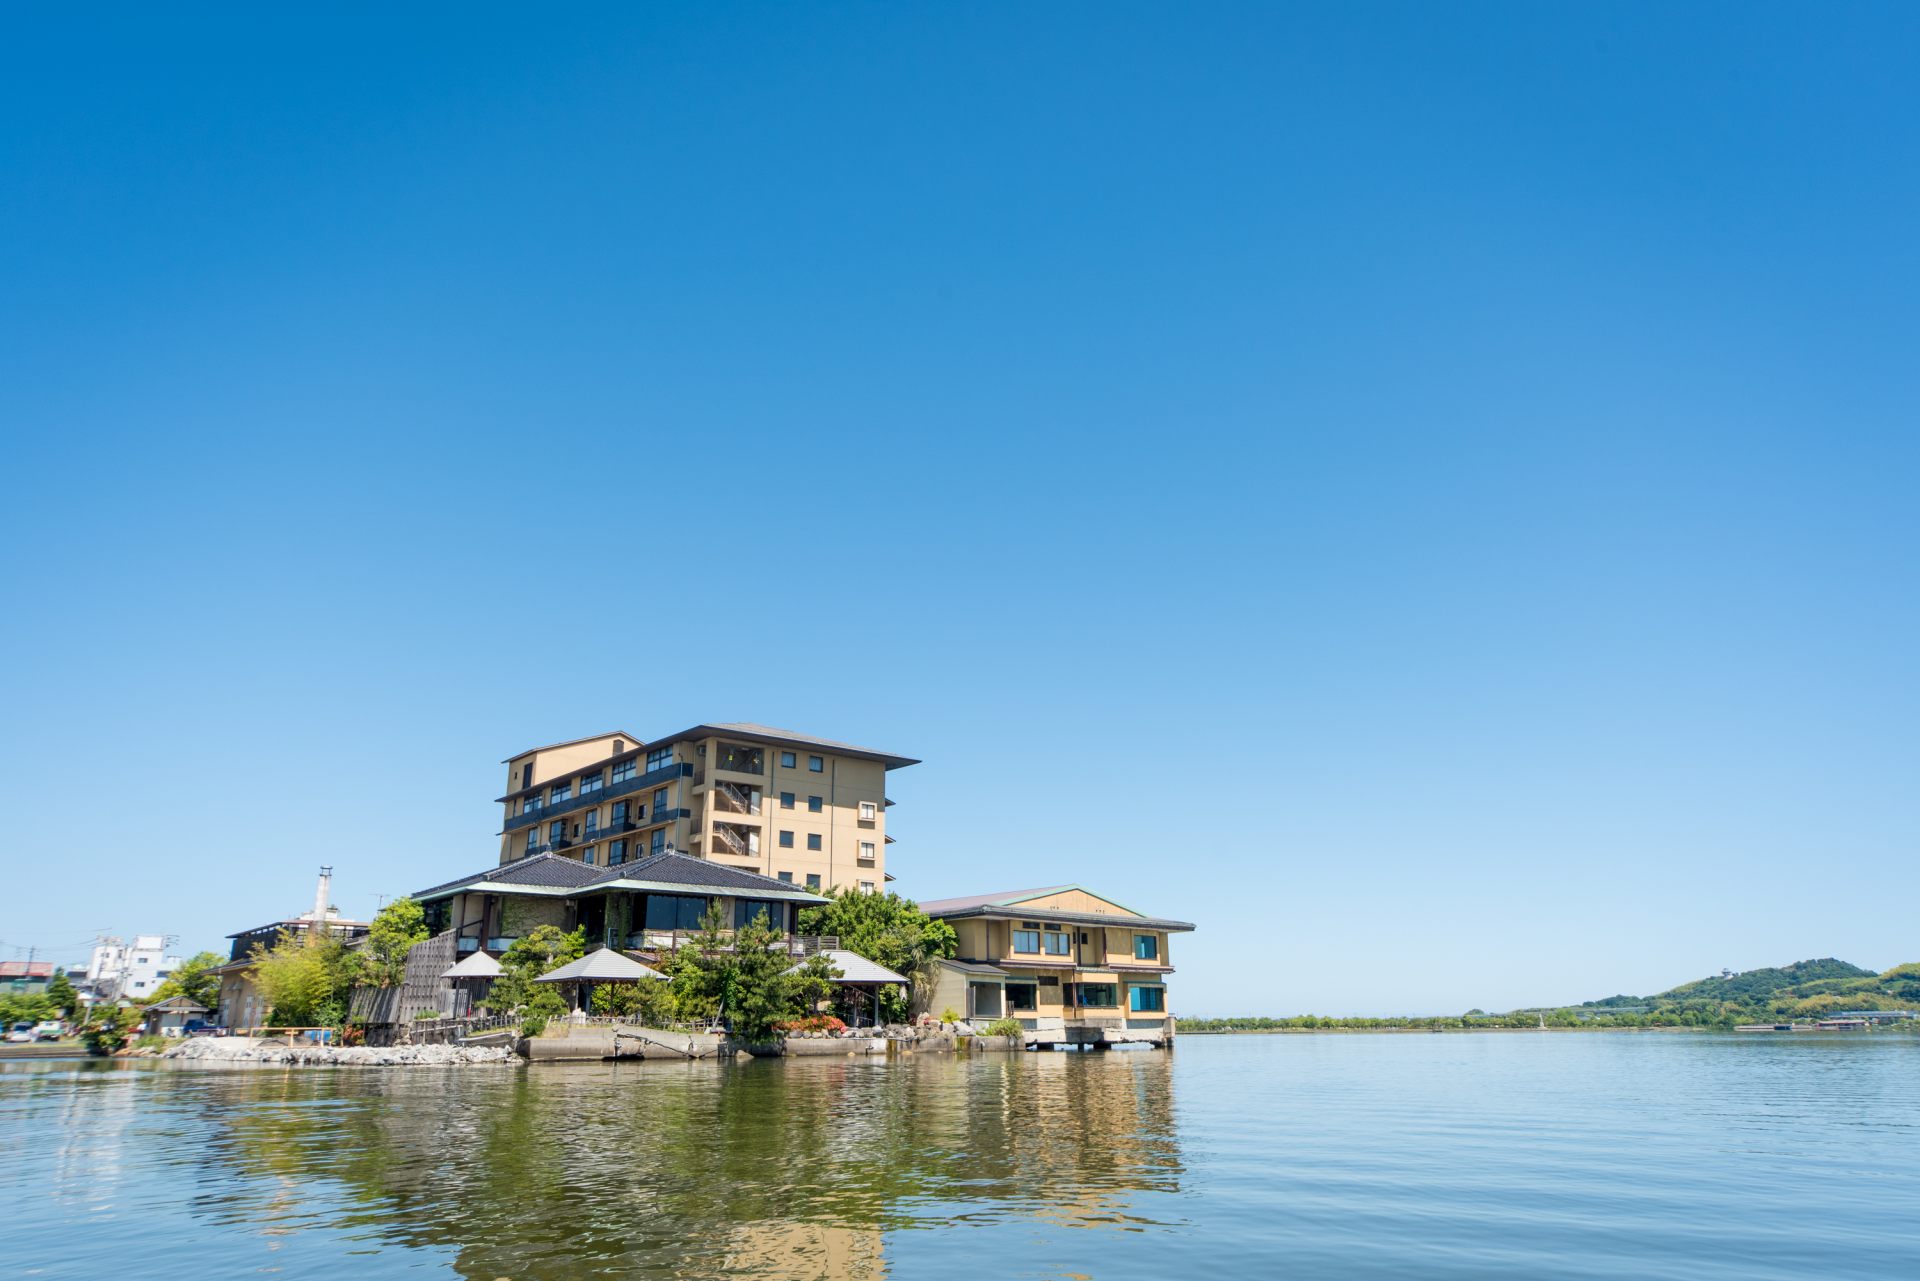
x: 239, y: 1049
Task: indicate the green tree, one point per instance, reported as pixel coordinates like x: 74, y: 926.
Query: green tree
x: 29, y: 1008
x: 62, y: 996
x: 195, y: 980
x: 108, y: 1029
x: 750, y: 980
x: 541, y: 950
x: 304, y: 979
x: 382, y: 962
x: 649, y: 1003
x: 888, y: 930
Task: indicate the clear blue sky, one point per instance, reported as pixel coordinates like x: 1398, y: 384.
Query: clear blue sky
x: 1427, y: 493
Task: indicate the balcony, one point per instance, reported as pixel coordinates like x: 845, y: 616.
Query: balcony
x: 613, y: 791
x: 672, y: 940
x: 739, y: 842
x: 731, y: 798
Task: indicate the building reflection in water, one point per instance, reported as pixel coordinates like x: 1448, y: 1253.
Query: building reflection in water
x: 768, y: 1169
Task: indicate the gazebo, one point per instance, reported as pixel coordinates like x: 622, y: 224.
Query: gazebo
x: 472, y: 978
x: 603, y: 966
x: 859, y: 975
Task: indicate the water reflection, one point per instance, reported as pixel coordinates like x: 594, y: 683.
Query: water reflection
x: 777, y: 1170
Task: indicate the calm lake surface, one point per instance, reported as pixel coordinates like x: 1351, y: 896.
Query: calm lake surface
x: 1525, y: 1155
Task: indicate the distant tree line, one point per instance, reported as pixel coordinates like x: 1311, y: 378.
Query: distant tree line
x: 1804, y: 990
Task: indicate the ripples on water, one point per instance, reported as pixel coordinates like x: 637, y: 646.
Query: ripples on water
x: 1568, y: 1155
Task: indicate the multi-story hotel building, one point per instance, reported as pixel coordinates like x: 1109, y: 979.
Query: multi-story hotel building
x: 804, y: 810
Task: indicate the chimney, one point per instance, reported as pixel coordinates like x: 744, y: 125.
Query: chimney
x: 323, y: 895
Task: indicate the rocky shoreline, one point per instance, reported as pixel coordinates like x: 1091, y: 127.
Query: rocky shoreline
x: 242, y: 1050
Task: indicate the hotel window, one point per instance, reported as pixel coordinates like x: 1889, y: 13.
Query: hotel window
x: 556, y: 831
x: 659, y: 800
x: 742, y: 759
x: 1059, y: 944
x: 675, y: 911
x: 619, y: 813
x: 1148, y: 1000
x: 786, y: 760
x: 1020, y: 996
x: 868, y: 811
x: 786, y: 840
x: 625, y: 770
x: 658, y: 844
x: 818, y: 764
x: 593, y: 823
x: 1102, y: 996
x: 787, y: 877
x: 866, y: 850
x: 1146, y: 947
x: 813, y: 880
x: 533, y: 839
x: 561, y: 792
x: 815, y: 804
x: 813, y: 840
x: 1026, y: 940
x: 659, y: 758
x: 588, y: 856
x: 530, y: 805
x: 866, y: 887
x: 591, y: 783
x: 786, y: 800
x: 616, y: 852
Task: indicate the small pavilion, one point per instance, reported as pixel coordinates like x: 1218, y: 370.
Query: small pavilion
x: 602, y: 966
x: 472, y: 978
x: 859, y: 977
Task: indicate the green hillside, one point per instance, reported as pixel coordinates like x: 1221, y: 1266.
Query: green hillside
x: 1805, y: 989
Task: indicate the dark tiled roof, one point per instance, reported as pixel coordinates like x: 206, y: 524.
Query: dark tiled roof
x: 551, y: 870
x: 557, y: 871
x: 684, y: 869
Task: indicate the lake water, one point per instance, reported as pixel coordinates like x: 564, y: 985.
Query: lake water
x: 1531, y: 1155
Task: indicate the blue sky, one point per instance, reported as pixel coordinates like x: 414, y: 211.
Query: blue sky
x: 1427, y: 494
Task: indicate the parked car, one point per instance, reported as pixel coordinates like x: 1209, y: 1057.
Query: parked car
x: 20, y: 1033
x: 49, y: 1030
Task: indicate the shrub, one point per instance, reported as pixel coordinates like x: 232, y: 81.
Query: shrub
x: 533, y: 1025
x: 949, y: 1015
x: 109, y: 1030
x: 1005, y: 1027
x: 815, y: 1023
x: 424, y: 1015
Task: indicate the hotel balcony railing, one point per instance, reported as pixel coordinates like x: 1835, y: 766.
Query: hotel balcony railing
x: 612, y: 791
x: 671, y: 940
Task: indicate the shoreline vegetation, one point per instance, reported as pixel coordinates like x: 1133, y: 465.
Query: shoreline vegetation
x: 1803, y: 991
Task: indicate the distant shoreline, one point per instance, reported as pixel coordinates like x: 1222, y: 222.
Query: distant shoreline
x: 1896, y: 1029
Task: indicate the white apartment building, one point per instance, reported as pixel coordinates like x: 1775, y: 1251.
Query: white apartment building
x: 122, y: 971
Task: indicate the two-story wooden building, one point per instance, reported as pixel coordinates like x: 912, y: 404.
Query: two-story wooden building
x: 1073, y: 967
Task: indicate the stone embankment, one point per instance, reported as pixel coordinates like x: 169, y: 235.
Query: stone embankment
x: 235, y: 1049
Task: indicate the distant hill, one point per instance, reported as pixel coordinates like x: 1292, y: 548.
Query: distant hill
x: 1802, y: 989
x: 1805, y: 989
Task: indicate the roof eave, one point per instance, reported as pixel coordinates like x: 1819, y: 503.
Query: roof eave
x: 991, y: 912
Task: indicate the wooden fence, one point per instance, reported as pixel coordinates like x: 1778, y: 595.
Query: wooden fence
x: 422, y: 988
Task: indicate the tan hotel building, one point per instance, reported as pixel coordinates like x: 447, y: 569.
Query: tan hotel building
x: 805, y: 810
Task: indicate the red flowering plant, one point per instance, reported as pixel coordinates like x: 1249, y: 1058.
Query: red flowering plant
x: 816, y: 1023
